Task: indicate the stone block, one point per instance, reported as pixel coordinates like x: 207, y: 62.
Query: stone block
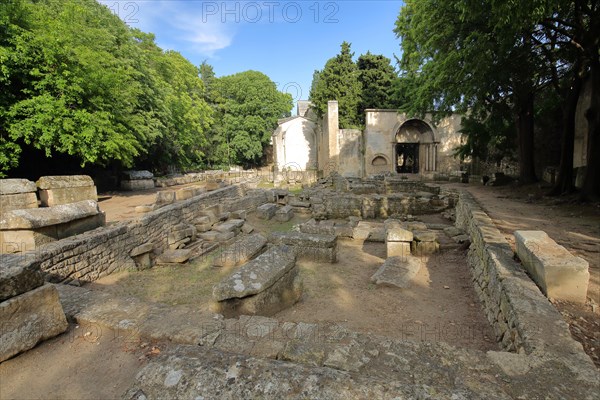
x: 9, y: 202
x: 558, y: 273
x: 424, y: 236
x: 180, y: 232
x: 241, y: 251
x: 174, y: 256
x: 19, y: 274
x: 58, y: 190
x: 397, y: 271
x: 398, y: 235
x: 362, y: 231
x: 165, y: 197
x: 212, y: 185
x: 184, y: 194
x: 266, y: 211
x: 398, y: 249
x: 30, y: 318
x: 232, y: 225
x: 284, y: 214
x: 424, y: 248
x: 137, y: 175
x: 142, y: 184
x: 141, y: 249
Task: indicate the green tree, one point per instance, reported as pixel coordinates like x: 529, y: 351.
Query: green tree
x: 376, y: 76
x: 339, y: 80
x: 68, y: 85
x: 508, y: 52
x: 75, y: 79
x: 248, y: 108
x: 476, y: 63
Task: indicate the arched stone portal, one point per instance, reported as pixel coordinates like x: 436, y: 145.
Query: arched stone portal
x: 415, y: 149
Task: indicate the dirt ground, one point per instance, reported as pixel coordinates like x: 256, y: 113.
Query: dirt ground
x: 440, y: 304
x: 75, y: 365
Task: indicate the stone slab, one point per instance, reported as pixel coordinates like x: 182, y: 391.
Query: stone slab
x: 241, y: 251
x: 229, y: 226
x: 64, y: 181
x: 283, y: 293
x: 164, y: 197
x: 19, y: 274
x: 141, y: 249
x: 174, y: 256
x: 284, y: 214
x: 30, y: 318
x: 266, y: 211
x: 184, y: 194
x: 424, y: 236
x: 257, y: 275
x: 41, y: 217
x: 397, y: 271
x: 424, y: 248
x: 396, y: 234
x: 16, y: 186
x: 310, y: 247
x: 558, y: 273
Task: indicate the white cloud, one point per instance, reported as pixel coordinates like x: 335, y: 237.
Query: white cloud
x: 178, y: 23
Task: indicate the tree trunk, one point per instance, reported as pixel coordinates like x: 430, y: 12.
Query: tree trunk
x: 591, y: 183
x: 564, y: 182
x: 525, y: 139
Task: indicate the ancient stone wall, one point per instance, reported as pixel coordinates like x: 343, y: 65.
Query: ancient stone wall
x: 523, y: 319
x: 100, y: 252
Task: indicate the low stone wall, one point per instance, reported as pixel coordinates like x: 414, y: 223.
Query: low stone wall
x: 335, y: 205
x: 523, y: 319
x: 100, y: 252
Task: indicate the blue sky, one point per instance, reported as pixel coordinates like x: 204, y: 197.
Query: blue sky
x: 286, y: 40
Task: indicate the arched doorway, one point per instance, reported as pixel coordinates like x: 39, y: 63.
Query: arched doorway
x: 415, y: 148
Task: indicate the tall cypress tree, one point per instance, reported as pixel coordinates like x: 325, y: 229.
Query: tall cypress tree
x: 339, y: 81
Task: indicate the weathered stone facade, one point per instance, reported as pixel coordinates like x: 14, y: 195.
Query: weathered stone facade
x: 98, y: 253
x: 391, y: 142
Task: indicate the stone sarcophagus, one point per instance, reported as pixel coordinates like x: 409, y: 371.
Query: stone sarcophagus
x: 25, y: 230
x: 16, y: 194
x: 58, y: 190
